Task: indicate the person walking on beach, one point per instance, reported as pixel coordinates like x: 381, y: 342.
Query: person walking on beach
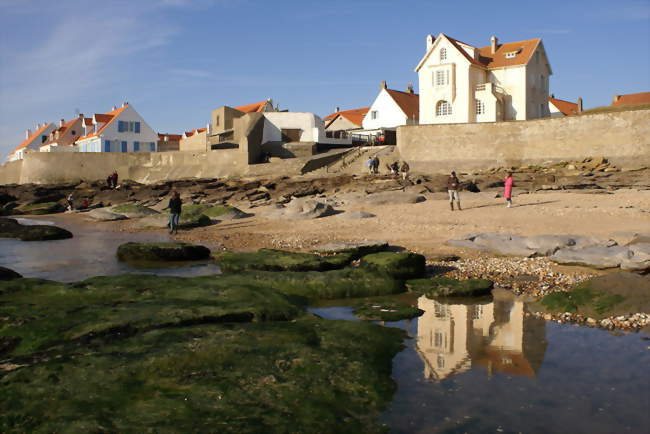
x: 452, y: 188
x: 507, y: 190
x: 370, y: 163
x: 70, y: 201
x: 375, y: 164
x: 175, y: 206
x: 404, y: 169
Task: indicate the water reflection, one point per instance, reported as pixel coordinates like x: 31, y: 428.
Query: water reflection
x: 495, y: 335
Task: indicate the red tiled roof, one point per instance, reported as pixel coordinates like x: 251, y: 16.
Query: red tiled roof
x: 631, y: 99
x: 524, y: 49
x: 61, y: 131
x: 107, y: 118
x: 31, y: 138
x: 408, y: 102
x: 252, y: 108
x: 172, y: 137
x: 353, y: 115
x: 191, y: 133
x: 566, y: 107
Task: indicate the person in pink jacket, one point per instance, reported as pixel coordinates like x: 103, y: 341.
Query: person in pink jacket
x: 507, y: 191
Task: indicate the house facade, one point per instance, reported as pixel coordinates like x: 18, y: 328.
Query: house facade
x: 461, y: 83
x: 169, y: 142
x: 63, y: 138
x: 120, y: 130
x: 33, y: 141
x: 392, y: 108
x: 340, y: 123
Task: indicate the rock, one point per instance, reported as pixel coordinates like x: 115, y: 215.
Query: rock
x: 133, y: 211
x: 355, y: 248
x: 40, y: 208
x: 279, y: 260
x: 638, y: 258
x: 161, y: 252
x: 593, y: 256
x: 8, y: 274
x: 225, y: 212
x: 355, y: 215
x: 104, y: 214
x: 446, y: 287
x: 10, y: 228
x: 386, y: 310
x: 404, y: 265
x: 303, y: 208
x: 601, y: 297
x: 393, y: 198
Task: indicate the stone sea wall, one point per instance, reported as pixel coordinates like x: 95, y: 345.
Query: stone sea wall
x: 54, y: 167
x: 623, y: 138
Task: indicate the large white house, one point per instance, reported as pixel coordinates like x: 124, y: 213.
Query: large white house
x: 120, y: 130
x: 462, y: 83
x: 32, y: 142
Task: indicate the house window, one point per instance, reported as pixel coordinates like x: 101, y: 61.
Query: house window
x: 477, y: 312
x: 443, y: 108
x: 152, y: 147
x: 217, y: 121
x: 373, y: 114
x: 438, y: 339
x: 480, y: 107
x: 136, y: 146
x: 124, y: 147
x: 128, y: 126
x: 441, y: 361
x: 441, y: 77
x: 443, y: 54
x: 107, y: 146
x: 440, y: 310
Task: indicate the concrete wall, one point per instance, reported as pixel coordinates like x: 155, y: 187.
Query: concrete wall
x: 197, y: 142
x: 622, y: 137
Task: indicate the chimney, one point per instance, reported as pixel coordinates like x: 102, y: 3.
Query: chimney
x: 553, y: 95
x: 114, y: 107
x: 383, y: 85
x: 61, y: 122
x: 579, y: 104
x: 494, y: 41
x: 430, y: 41
x: 615, y: 99
x: 28, y: 133
x: 338, y: 109
x: 166, y: 138
x: 124, y: 104
x: 409, y: 88
x: 81, y: 115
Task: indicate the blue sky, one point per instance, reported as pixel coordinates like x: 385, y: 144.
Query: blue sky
x: 176, y: 60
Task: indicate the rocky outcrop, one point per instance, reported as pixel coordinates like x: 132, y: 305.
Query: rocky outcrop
x: 401, y: 266
x: 280, y: 260
x: 10, y: 228
x: 134, y: 252
x: 104, y: 215
x: 133, y: 211
x: 303, y: 208
x: 8, y: 274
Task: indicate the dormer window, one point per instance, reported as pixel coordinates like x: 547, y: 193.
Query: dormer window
x: 443, y: 54
x: 511, y: 54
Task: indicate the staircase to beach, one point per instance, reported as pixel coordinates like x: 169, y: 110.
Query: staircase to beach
x: 354, y: 160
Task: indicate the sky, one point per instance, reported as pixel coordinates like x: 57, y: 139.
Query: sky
x: 176, y: 60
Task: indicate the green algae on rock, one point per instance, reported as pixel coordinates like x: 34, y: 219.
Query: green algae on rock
x: 403, y: 265
x: 134, y: 211
x: 356, y: 249
x: 40, y: 208
x: 603, y: 296
x: 344, y: 283
x: 149, y: 354
x: 191, y: 216
x: 162, y: 252
x: 225, y: 212
x: 10, y: 228
x: 279, y: 260
x: 447, y: 287
x: 386, y: 310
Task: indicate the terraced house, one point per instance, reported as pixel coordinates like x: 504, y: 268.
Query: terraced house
x: 120, y: 130
x: 461, y: 83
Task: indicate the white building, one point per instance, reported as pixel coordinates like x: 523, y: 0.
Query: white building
x: 392, y: 108
x: 120, y: 130
x: 32, y: 142
x: 460, y: 83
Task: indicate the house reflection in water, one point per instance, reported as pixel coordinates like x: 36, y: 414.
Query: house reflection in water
x: 453, y: 338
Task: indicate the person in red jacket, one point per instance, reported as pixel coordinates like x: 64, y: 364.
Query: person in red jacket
x: 507, y: 189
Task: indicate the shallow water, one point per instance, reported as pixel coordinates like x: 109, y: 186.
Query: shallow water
x: 91, y: 252
x: 491, y: 368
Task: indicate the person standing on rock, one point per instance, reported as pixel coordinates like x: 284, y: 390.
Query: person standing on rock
x: 507, y: 190
x: 404, y: 169
x: 452, y: 188
x: 114, y: 179
x: 175, y: 206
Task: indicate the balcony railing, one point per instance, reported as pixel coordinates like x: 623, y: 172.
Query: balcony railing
x: 484, y: 86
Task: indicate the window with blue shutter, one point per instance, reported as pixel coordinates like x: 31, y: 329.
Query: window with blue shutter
x: 137, y: 127
x: 136, y: 146
x: 120, y: 126
x: 124, y: 149
x: 107, y: 146
x: 152, y: 146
